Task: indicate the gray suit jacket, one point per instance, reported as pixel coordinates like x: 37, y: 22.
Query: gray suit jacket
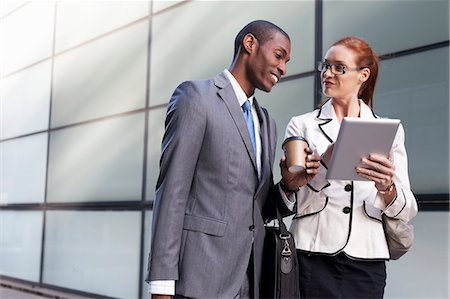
x: 208, y: 206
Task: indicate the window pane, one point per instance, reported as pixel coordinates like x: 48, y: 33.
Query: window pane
x: 21, y: 239
x: 101, y: 161
x: 159, y: 5
x: 194, y: 42
x: 104, y: 77
x: 147, y: 244
x: 430, y: 251
x: 98, y: 17
x: 156, y: 132
x: 26, y: 110
x: 287, y: 99
x: 95, y: 252
x: 23, y: 164
x: 7, y: 7
x: 415, y: 89
x: 27, y: 36
x: 389, y: 26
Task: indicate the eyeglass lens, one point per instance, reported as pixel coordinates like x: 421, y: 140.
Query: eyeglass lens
x: 337, y: 69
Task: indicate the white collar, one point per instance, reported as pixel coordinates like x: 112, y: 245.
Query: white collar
x: 240, y: 94
x: 327, y: 111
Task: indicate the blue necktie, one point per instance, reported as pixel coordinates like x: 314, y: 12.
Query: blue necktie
x: 249, y: 120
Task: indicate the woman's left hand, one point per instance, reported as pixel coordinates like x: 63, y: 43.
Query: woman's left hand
x: 379, y: 169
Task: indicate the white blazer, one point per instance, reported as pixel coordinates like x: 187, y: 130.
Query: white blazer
x: 345, y: 216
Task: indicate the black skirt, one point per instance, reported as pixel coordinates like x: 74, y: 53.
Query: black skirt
x: 339, y: 276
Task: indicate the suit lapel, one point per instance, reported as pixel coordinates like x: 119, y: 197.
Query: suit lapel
x: 265, y: 145
x: 226, y: 93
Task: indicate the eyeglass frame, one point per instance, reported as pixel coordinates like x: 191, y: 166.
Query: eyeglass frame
x: 329, y: 66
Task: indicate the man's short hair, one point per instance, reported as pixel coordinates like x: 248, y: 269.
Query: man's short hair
x: 261, y: 29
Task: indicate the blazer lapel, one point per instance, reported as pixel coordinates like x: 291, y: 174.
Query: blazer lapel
x: 328, y: 124
x: 226, y: 93
x: 365, y: 111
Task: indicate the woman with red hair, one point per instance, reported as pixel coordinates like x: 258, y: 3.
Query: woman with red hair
x: 338, y: 229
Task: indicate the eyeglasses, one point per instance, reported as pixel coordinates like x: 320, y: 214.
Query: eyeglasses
x: 337, y: 69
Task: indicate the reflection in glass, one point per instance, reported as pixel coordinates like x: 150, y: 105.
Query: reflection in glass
x: 20, y: 244
x: 96, y: 252
x: 98, y: 17
x: 158, y: 5
x: 8, y: 7
x: 26, y: 110
x: 147, y: 244
x: 430, y: 251
x: 104, y: 77
x: 22, y: 172
x: 27, y: 36
x: 420, y: 100
x: 183, y: 48
x: 389, y: 26
x: 101, y: 161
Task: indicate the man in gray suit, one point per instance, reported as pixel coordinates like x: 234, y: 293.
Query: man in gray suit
x: 216, y: 175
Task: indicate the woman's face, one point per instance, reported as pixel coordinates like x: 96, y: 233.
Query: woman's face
x: 340, y: 59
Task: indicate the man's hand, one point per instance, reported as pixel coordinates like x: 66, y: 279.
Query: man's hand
x: 293, y: 181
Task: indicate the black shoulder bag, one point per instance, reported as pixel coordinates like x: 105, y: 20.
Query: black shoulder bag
x: 280, y: 274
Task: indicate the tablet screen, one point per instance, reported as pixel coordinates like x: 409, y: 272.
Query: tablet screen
x: 358, y: 138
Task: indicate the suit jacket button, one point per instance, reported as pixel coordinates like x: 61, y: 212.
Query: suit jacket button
x: 251, y: 227
x: 346, y: 210
x: 348, y: 188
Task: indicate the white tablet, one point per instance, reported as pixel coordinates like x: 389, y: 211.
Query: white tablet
x: 358, y: 138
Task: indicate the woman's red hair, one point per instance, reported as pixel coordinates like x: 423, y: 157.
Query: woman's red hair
x: 365, y: 57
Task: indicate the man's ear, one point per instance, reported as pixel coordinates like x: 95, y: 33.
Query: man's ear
x: 249, y: 43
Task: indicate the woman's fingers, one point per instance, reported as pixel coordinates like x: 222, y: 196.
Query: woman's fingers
x: 379, y: 164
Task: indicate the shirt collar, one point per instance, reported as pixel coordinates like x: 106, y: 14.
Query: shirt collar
x: 327, y: 111
x: 240, y: 94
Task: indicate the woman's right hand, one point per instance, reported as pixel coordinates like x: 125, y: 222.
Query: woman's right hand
x: 326, y: 156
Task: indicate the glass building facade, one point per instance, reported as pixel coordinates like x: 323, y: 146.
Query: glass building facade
x: 84, y: 90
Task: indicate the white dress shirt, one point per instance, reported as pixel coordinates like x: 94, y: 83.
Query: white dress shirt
x: 242, y: 97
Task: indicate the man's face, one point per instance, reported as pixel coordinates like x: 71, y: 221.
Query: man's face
x: 268, y: 62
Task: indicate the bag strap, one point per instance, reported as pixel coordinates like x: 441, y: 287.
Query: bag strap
x: 283, y: 229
